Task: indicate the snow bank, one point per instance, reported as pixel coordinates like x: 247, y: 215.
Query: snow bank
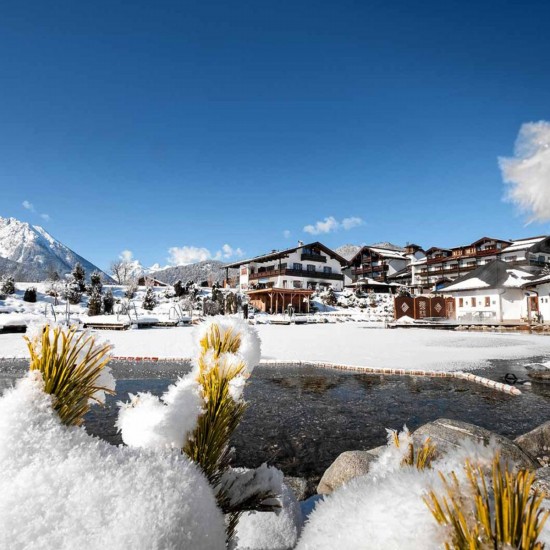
x: 61, y: 488
x: 271, y: 530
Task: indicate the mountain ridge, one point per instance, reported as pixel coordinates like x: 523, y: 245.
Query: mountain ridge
x: 30, y: 254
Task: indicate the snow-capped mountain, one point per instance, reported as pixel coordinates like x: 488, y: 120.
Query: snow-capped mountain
x: 30, y: 253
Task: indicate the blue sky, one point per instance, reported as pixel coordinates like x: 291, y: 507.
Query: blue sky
x: 151, y: 126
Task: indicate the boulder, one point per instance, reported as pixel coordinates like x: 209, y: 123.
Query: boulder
x: 542, y: 481
x: 537, y: 441
x: 447, y: 434
x: 348, y: 465
x: 301, y: 487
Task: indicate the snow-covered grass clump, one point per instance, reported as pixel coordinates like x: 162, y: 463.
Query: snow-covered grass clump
x: 386, y: 509
x: 61, y: 488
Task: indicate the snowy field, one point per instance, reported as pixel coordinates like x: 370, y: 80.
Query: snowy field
x: 347, y: 343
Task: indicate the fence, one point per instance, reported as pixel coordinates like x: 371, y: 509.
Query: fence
x: 421, y: 307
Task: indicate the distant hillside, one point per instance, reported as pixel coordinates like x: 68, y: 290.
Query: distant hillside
x: 198, y: 272
x: 30, y: 253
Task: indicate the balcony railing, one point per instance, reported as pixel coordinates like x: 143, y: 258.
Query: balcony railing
x: 369, y: 270
x: 297, y: 273
x: 314, y: 258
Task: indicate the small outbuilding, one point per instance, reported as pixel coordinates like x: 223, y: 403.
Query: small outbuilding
x: 495, y: 292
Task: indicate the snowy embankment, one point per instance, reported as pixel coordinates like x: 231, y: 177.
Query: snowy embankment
x: 345, y: 343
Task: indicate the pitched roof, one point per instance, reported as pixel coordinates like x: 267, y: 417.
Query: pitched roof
x: 383, y: 252
x: 276, y: 254
x: 525, y: 244
x: 495, y: 274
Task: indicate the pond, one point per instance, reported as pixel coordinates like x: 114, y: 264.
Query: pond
x: 301, y: 418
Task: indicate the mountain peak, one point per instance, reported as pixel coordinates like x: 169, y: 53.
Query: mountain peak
x: 30, y: 253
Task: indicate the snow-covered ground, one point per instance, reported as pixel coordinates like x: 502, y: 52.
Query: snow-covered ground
x: 347, y: 343
x: 360, y: 342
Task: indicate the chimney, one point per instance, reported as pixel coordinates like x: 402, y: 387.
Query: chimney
x: 300, y: 243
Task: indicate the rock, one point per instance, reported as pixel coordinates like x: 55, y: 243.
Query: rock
x: 348, y: 465
x: 447, y: 434
x: 537, y: 441
x: 540, y: 375
x: 542, y: 481
x: 301, y: 487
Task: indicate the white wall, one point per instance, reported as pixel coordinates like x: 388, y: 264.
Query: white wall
x: 504, y: 304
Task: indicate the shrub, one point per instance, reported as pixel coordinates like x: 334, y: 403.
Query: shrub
x: 30, y: 294
x: 150, y: 300
x: 209, y: 307
x: 72, y: 294
x: 179, y: 289
x: 108, y: 302
x: 7, y: 286
x: 130, y: 291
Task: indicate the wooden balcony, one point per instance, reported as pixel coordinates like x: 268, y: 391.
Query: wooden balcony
x: 369, y: 270
x: 304, y: 273
x: 314, y: 258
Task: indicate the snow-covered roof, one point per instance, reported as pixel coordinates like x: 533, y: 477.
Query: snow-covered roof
x: 495, y: 274
x: 384, y: 252
x: 522, y: 244
x: 467, y: 284
x: 275, y: 254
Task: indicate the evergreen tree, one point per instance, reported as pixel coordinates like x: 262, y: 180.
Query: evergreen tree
x: 179, y: 289
x: 150, y: 300
x: 94, y: 301
x: 95, y: 281
x: 79, y: 277
x: 108, y: 302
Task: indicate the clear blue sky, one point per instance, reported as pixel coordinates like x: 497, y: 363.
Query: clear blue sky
x: 150, y: 125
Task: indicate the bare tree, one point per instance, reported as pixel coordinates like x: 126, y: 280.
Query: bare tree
x: 121, y: 270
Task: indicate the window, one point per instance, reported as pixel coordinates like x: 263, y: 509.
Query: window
x: 297, y: 267
x: 327, y: 269
x: 297, y: 284
x: 285, y: 282
x: 310, y: 267
x: 461, y: 302
x: 487, y: 301
x: 474, y: 302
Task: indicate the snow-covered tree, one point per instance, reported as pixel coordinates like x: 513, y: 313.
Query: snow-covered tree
x: 94, y: 301
x: 122, y: 271
x: 150, y: 300
x: 96, y: 281
x: 7, y: 286
x: 72, y: 293
x: 328, y: 297
x: 79, y: 276
x: 131, y: 290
